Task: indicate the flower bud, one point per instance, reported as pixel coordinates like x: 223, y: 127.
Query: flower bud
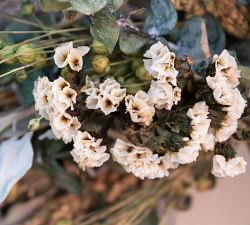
x: 8, y: 54
x: 27, y: 9
x: 100, y: 64
x: 40, y: 60
x: 34, y: 124
x: 26, y: 54
x: 142, y: 74
x: 135, y: 64
x: 21, y: 75
x: 99, y: 48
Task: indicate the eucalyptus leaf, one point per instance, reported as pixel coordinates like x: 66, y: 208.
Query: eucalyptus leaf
x: 114, y: 4
x: 104, y: 28
x: 25, y: 88
x: 16, y: 158
x: 53, y: 5
x: 162, y: 18
x: 131, y: 43
x: 88, y: 7
x: 62, y: 178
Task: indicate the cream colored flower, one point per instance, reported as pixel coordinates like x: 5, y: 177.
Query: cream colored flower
x: 59, y: 84
x: 75, y: 57
x: 227, y: 66
x: 138, y: 160
x: 162, y: 94
x: 61, y: 54
x: 232, y: 167
x: 140, y: 108
x: 62, y: 121
x: 89, y: 86
x: 88, y: 152
x: 189, y: 152
x: 209, y: 141
x: 198, y: 113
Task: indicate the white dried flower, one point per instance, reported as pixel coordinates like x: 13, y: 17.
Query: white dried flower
x: 139, y: 160
x: 61, y: 54
x: 88, y: 152
x: 160, y: 63
x: 162, y: 94
x: 231, y: 167
x: 75, y: 57
x: 189, y: 152
x: 227, y: 66
x: 140, y: 108
x: 209, y: 141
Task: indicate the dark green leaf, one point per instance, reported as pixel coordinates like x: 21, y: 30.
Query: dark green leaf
x: 25, y: 88
x: 105, y: 29
x: 162, y: 18
x: 61, y: 177
x: 114, y: 4
x: 53, y: 5
x: 88, y: 7
x: 131, y: 43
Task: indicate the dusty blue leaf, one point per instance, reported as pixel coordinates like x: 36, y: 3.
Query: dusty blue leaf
x: 15, y: 160
x: 162, y: 18
x: 104, y: 28
x: 131, y: 43
x: 88, y: 7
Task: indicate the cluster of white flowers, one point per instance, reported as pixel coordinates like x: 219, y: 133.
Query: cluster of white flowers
x: 141, y: 161
x: 163, y: 92
x: 67, y: 54
x: 199, y: 130
x: 88, y: 152
x: 140, y: 108
x: 225, y: 92
x: 52, y: 99
x: 231, y: 167
x: 107, y: 97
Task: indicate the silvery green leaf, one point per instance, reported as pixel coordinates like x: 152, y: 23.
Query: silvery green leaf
x: 114, y: 4
x: 15, y: 160
x: 131, y: 43
x: 54, y: 5
x: 104, y: 28
x: 162, y: 18
x: 88, y: 7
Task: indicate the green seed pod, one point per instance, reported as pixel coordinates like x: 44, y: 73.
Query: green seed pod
x: 21, y: 75
x: 26, y: 9
x: 136, y: 63
x: 40, y: 60
x: 100, y: 64
x: 142, y: 74
x: 26, y: 54
x: 8, y: 54
x: 99, y: 48
x: 33, y: 124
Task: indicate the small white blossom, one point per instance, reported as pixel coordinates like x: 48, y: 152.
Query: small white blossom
x: 227, y: 66
x: 209, y: 141
x: 160, y: 63
x: 140, y: 108
x: 139, y: 160
x: 88, y: 152
x: 75, y: 57
x: 232, y: 167
x: 189, y: 152
x: 61, y: 54
x: 162, y: 94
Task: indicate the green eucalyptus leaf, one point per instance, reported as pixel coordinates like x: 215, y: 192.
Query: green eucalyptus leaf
x: 88, y: 7
x: 131, y: 43
x: 114, y: 4
x: 61, y: 177
x: 104, y: 28
x: 25, y: 88
x: 53, y: 5
x: 162, y: 18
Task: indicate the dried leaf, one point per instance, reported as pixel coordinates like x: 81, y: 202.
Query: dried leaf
x: 15, y: 160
